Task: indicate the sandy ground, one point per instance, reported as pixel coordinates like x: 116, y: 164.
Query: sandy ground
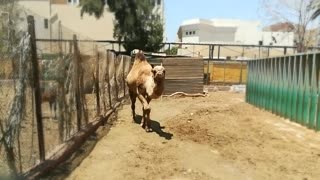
x: 216, y: 137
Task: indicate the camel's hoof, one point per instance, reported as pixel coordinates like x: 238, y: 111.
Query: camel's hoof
x: 148, y: 129
x: 141, y: 124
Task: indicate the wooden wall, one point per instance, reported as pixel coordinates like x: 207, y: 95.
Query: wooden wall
x: 183, y: 75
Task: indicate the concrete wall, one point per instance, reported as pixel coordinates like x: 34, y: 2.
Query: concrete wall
x: 217, y: 34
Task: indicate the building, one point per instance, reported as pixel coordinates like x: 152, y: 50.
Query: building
x: 231, y: 31
x: 52, y: 15
x: 228, y: 31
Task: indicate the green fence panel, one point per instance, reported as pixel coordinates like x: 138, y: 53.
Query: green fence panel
x: 274, y: 86
x: 294, y: 96
x: 279, y: 86
x: 269, y: 84
x: 306, y: 88
x: 287, y: 86
x: 300, y: 89
x: 284, y: 87
x: 313, y: 93
x: 289, y: 90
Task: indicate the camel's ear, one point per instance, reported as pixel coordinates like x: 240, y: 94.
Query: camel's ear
x: 153, y: 71
x: 161, y: 63
x: 152, y: 65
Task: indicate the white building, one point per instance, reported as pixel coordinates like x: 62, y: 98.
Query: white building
x: 231, y: 31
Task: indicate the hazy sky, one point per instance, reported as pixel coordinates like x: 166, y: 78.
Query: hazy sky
x: 178, y: 10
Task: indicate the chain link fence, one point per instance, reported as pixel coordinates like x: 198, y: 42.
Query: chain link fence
x: 78, y: 83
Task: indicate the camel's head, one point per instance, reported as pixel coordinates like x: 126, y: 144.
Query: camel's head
x: 159, y: 72
x: 139, y: 55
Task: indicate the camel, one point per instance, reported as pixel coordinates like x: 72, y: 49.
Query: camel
x: 145, y: 82
x: 49, y: 94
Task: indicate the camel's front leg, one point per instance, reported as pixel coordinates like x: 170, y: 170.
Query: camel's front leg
x: 143, y: 101
x: 142, y: 124
x: 147, y: 117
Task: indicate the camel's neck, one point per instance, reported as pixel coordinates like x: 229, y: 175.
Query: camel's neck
x: 158, y: 90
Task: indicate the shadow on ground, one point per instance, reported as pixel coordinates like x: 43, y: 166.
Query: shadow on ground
x: 156, y: 127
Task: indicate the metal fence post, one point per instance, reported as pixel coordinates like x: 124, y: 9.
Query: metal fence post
x: 36, y: 86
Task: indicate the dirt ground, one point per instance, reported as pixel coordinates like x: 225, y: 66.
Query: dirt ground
x: 216, y: 137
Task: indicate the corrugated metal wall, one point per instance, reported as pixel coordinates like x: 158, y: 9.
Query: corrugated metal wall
x: 287, y: 86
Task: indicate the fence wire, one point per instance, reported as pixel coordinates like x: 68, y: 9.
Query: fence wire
x: 78, y: 82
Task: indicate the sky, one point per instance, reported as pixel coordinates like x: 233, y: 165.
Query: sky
x: 176, y: 11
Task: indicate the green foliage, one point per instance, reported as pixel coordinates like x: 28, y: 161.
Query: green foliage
x: 92, y: 7
x: 172, y: 51
x: 135, y: 23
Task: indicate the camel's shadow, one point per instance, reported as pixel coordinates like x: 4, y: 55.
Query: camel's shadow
x: 156, y: 127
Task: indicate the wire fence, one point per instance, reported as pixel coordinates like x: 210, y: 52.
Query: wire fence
x: 49, y: 91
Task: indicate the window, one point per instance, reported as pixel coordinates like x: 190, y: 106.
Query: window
x: 73, y: 2
x: 159, y: 2
x: 190, y: 33
x: 46, y: 23
x: 187, y: 33
x: 193, y: 32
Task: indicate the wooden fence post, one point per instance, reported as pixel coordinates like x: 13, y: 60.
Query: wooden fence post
x: 36, y: 86
x: 108, y: 78
x: 96, y: 79
x: 115, y: 59
x: 76, y: 80
x: 123, y: 77
x: 240, y: 79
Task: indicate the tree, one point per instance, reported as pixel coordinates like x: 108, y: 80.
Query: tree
x: 315, y: 6
x: 135, y: 22
x: 172, y: 51
x: 9, y: 22
x: 295, y: 12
